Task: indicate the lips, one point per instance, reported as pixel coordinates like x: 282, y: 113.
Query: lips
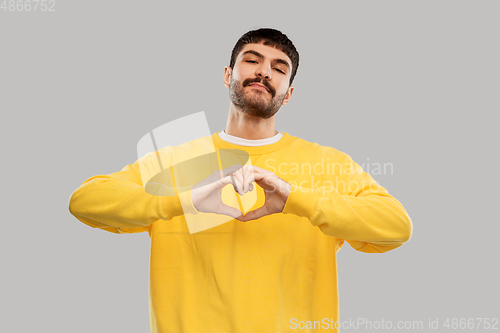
x: 259, y: 86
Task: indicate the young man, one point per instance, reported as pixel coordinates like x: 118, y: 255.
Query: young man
x: 271, y: 268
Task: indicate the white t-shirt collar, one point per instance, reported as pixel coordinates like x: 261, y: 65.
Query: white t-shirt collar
x: 249, y: 143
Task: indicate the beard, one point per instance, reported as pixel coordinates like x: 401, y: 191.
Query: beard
x: 255, y: 103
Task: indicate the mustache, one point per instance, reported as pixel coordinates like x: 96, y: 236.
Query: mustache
x: 261, y: 81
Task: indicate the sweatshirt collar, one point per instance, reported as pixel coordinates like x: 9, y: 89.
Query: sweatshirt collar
x: 278, y: 141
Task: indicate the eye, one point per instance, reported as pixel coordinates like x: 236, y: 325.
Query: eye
x: 251, y: 61
x: 279, y: 70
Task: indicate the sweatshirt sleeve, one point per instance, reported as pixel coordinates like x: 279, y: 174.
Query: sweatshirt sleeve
x: 119, y: 202
x: 357, y: 210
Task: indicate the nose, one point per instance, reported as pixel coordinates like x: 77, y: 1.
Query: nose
x: 264, y: 71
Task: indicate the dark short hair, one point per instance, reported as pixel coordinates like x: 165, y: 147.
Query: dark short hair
x: 269, y: 37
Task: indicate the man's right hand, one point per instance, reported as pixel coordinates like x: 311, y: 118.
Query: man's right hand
x: 206, y: 195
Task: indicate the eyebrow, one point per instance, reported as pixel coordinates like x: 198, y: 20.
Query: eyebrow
x: 278, y: 60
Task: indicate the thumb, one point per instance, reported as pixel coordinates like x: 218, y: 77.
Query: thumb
x: 230, y: 211
x: 257, y: 213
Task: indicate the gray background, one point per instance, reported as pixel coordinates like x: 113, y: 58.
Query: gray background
x: 412, y: 83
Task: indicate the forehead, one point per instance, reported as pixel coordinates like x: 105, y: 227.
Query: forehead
x: 267, y: 51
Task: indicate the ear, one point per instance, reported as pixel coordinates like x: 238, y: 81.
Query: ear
x: 227, y: 76
x: 288, y: 95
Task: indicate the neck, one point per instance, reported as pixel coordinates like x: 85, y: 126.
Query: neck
x: 249, y: 127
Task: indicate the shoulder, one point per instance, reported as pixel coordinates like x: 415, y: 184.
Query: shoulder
x: 197, y: 147
x: 314, y: 149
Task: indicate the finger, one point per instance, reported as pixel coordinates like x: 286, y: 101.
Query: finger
x: 230, y: 170
x: 255, y: 214
x: 260, y: 178
x: 270, y: 182
x: 230, y: 211
x: 225, y: 181
x: 267, y: 185
x: 238, y: 183
x: 258, y: 169
x: 249, y: 179
x: 218, y: 178
x: 258, y: 175
x: 240, y: 176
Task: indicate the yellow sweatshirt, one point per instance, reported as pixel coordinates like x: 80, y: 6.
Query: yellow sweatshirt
x: 274, y: 274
